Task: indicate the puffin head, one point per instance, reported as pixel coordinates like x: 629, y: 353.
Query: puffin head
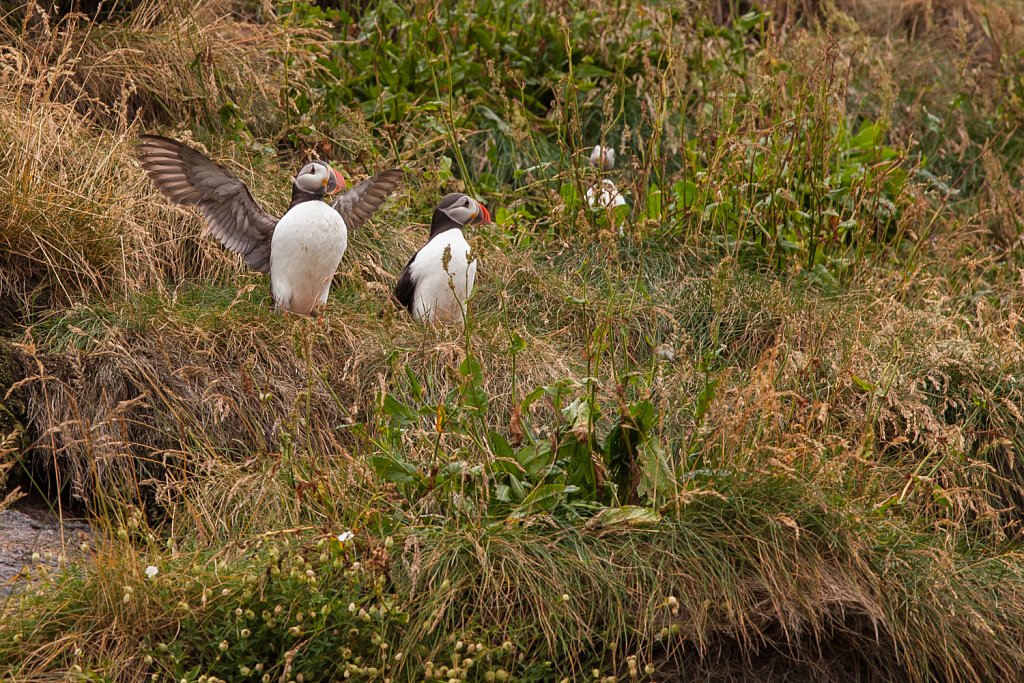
x: 464, y: 210
x: 317, y: 177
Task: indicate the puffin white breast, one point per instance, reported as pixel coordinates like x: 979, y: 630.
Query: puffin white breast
x: 443, y: 276
x: 305, y: 251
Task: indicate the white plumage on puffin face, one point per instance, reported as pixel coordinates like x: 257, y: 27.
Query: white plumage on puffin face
x: 438, y: 279
x: 461, y: 208
x: 317, y: 177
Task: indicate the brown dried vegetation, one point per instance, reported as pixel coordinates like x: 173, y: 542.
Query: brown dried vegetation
x: 863, y: 513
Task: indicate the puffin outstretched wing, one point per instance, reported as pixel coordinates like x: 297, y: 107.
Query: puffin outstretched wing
x: 362, y: 201
x: 188, y: 177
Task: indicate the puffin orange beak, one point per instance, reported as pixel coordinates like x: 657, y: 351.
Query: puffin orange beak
x: 484, y: 216
x: 339, y: 182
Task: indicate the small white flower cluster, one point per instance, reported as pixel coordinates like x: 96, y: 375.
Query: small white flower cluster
x: 345, y: 536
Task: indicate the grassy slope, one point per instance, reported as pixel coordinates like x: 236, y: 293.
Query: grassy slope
x: 841, y: 415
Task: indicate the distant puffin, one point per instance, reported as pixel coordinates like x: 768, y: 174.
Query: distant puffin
x: 302, y: 249
x: 604, y: 195
x: 439, y: 278
x: 602, y: 158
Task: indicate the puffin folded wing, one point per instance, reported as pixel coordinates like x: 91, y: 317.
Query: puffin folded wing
x: 362, y: 201
x: 405, y: 290
x: 188, y: 177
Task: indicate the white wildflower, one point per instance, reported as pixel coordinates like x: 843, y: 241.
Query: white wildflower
x: 345, y: 536
x: 151, y: 571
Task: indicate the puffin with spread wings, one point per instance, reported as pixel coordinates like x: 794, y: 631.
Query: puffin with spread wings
x: 302, y: 249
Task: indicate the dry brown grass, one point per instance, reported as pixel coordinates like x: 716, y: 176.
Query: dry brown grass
x: 919, y: 409
x: 78, y: 221
x: 164, y: 63
x: 162, y: 392
x: 978, y: 32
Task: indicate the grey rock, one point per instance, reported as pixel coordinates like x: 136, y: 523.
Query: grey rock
x: 28, y: 529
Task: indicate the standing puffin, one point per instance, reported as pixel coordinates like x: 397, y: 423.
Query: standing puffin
x: 302, y: 249
x: 604, y: 195
x: 439, y: 278
x: 602, y: 158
